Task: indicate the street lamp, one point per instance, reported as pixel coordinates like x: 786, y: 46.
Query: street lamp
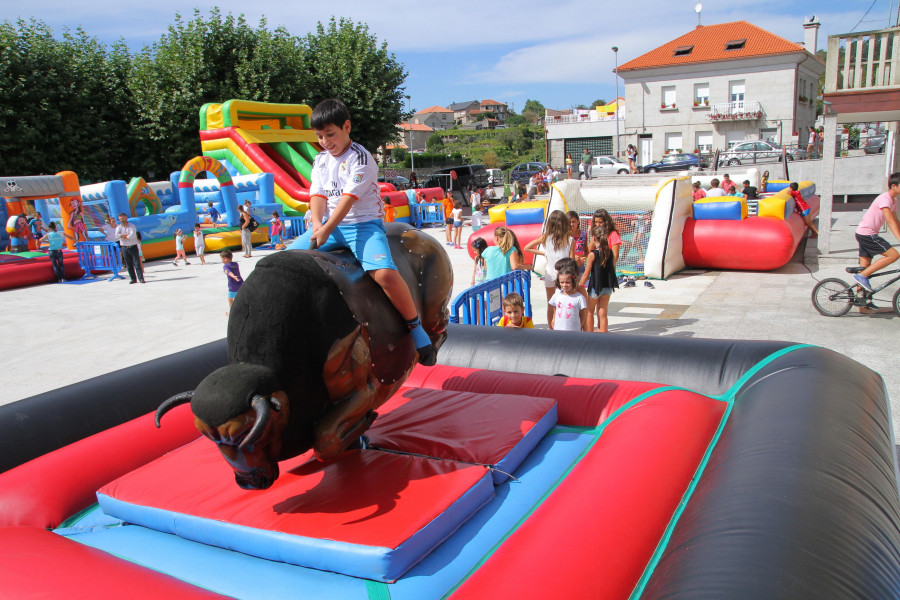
x: 412, y: 160
x: 615, y: 50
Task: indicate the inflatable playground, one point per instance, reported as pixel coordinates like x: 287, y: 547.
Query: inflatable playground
x: 664, y: 230
x: 577, y: 466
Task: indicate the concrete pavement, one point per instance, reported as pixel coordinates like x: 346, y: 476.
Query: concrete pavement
x: 58, y: 334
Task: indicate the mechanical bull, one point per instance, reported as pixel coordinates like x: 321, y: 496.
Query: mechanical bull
x: 314, y: 346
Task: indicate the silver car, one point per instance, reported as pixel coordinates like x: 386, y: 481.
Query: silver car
x: 759, y: 151
x: 605, y: 165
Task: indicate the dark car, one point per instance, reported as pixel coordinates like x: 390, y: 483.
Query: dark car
x: 475, y: 176
x: 874, y: 145
x: 759, y: 151
x: 676, y: 162
x: 523, y: 172
x: 399, y: 182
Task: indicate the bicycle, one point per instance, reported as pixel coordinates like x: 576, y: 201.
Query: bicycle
x: 834, y: 297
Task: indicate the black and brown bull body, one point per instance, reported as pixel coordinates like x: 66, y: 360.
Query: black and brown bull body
x: 314, y: 347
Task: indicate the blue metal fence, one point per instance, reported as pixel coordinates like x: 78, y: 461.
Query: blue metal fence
x: 293, y: 227
x: 99, y: 256
x: 427, y: 213
x: 483, y: 303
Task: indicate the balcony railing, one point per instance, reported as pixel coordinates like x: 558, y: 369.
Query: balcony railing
x: 592, y: 117
x: 867, y: 60
x: 744, y: 110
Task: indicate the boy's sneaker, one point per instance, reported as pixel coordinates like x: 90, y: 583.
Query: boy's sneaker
x: 649, y: 285
x: 864, y: 282
x: 629, y: 283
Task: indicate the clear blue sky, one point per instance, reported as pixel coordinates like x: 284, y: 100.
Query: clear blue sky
x: 556, y: 52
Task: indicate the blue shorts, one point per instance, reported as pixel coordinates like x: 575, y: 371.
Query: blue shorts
x: 275, y: 239
x: 232, y: 294
x: 367, y: 241
x: 604, y: 292
x: 803, y: 213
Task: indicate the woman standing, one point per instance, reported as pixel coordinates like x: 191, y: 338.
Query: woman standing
x: 246, y: 244
x: 569, y: 163
x: 631, y: 154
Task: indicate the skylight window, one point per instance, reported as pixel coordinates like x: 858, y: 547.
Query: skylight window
x: 683, y: 50
x: 735, y: 44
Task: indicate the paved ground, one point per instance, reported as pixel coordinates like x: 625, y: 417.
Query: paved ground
x: 58, y: 334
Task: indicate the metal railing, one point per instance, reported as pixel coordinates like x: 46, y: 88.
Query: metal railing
x: 866, y: 60
x: 99, y: 256
x: 483, y: 304
x: 744, y: 110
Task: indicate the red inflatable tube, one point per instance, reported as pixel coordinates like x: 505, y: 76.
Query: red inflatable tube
x: 580, y: 402
x: 620, y: 516
x: 45, y: 563
x: 753, y: 244
x: 34, y: 271
x: 51, y: 488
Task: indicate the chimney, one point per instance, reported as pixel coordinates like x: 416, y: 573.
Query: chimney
x: 811, y: 34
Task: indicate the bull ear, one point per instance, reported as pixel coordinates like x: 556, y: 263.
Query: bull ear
x: 176, y: 400
x: 263, y: 411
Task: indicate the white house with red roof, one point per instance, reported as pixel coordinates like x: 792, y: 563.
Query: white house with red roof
x: 718, y: 85
x: 436, y: 117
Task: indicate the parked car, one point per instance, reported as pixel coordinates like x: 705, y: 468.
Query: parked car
x: 466, y: 175
x: 523, y: 172
x: 605, y: 165
x: 759, y: 151
x: 399, y: 182
x: 874, y: 145
x: 676, y: 162
x: 495, y: 176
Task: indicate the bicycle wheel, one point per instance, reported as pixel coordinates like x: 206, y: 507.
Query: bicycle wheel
x: 896, y: 302
x: 832, y: 297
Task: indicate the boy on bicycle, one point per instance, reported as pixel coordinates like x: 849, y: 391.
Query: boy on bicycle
x: 883, y: 210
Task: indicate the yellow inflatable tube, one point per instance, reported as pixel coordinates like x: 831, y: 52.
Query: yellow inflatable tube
x: 498, y: 213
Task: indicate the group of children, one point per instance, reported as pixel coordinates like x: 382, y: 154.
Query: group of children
x: 580, y: 273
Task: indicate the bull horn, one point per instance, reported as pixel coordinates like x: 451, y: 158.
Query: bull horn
x: 263, y: 411
x: 176, y: 400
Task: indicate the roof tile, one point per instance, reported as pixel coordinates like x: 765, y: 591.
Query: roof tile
x: 709, y: 42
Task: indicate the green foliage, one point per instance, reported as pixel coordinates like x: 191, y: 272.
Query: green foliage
x: 206, y: 60
x: 534, y: 106
x: 343, y: 60
x: 515, y: 120
x: 63, y: 104
x: 597, y: 103
x: 434, y: 143
x: 72, y: 103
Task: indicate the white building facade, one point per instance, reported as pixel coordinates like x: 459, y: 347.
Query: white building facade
x: 717, y: 86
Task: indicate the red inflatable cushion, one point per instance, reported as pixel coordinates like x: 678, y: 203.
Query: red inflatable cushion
x: 35, y: 563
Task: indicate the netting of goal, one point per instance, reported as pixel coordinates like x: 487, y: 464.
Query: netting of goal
x: 649, y: 215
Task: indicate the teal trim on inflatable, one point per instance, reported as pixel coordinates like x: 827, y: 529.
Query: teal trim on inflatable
x: 728, y: 397
x: 377, y: 590
x: 597, y: 431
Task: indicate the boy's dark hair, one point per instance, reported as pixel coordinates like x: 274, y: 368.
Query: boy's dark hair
x: 196, y: 225
x: 714, y: 182
x: 226, y: 253
x: 894, y: 179
x: 746, y: 182
x: 52, y: 226
x: 329, y: 112
x: 794, y: 186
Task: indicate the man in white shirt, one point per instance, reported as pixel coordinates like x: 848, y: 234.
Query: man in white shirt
x: 126, y: 233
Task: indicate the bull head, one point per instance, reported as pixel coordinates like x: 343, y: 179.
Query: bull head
x: 247, y: 425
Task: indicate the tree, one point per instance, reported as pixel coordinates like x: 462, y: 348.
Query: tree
x: 515, y: 120
x: 534, y: 106
x: 597, y: 103
x: 64, y: 104
x: 435, y: 142
x: 202, y: 61
x: 344, y: 61
x: 490, y: 160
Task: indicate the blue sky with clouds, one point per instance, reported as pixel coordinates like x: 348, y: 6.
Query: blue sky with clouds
x: 556, y: 52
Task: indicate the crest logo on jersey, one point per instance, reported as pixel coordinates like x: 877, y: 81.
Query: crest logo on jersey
x: 344, y: 166
x: 357, y: 178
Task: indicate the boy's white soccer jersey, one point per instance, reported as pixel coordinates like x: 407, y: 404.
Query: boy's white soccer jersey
x: 354, y: 173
